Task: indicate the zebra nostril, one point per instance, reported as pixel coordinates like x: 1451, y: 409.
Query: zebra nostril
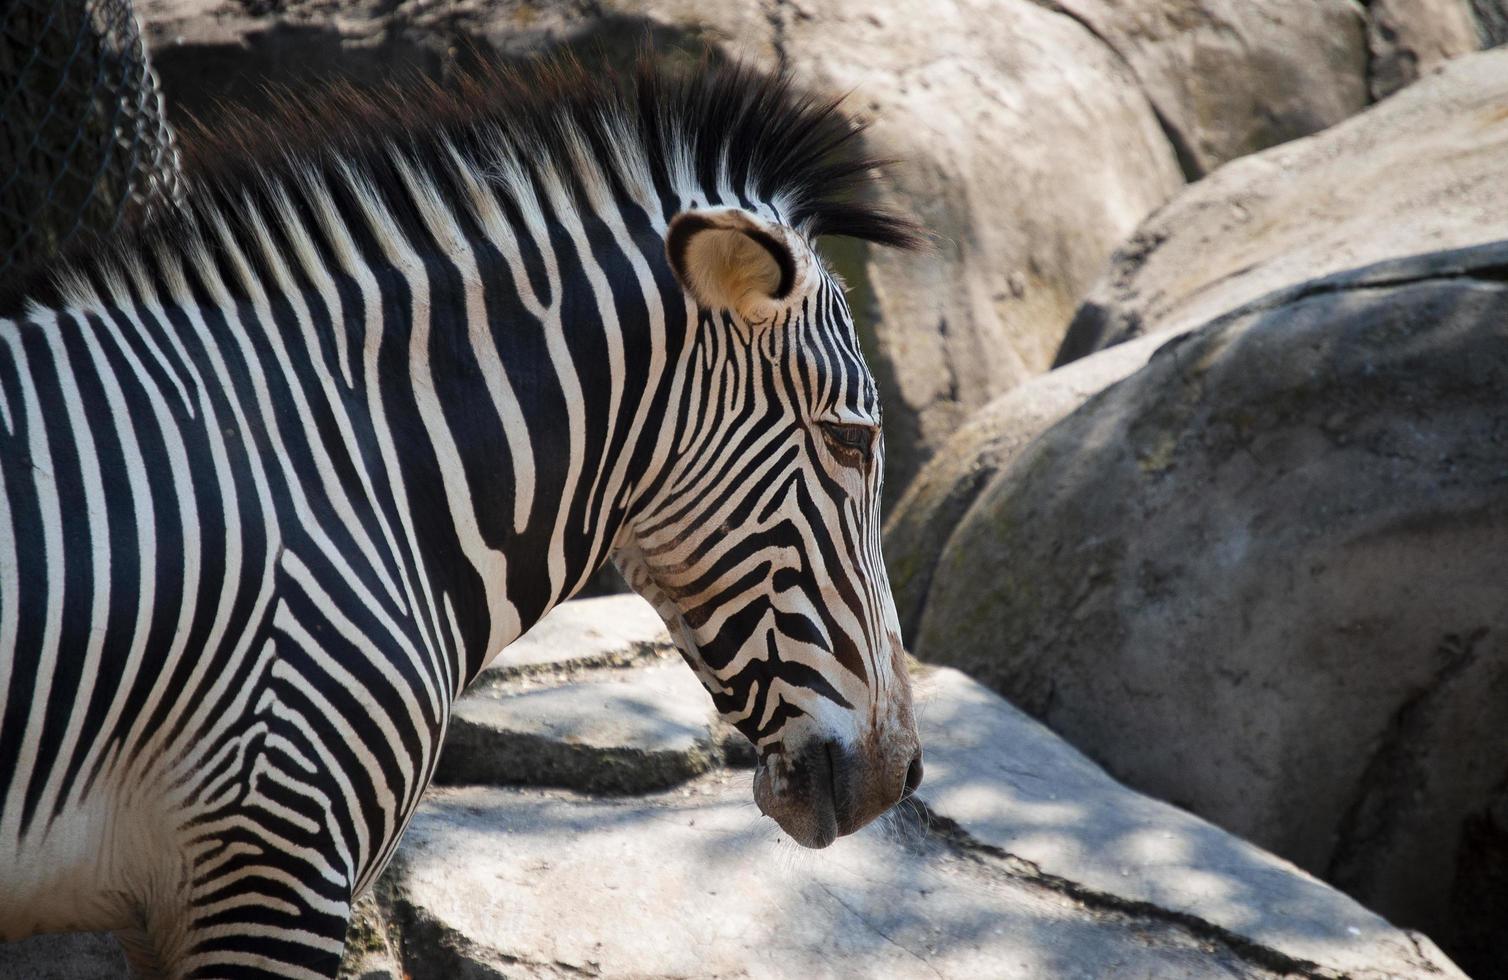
x: 913, y: 775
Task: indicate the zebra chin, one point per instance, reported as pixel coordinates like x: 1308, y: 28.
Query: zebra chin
x: 824, y: 790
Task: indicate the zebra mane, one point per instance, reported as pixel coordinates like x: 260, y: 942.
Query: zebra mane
x: 721, y: 132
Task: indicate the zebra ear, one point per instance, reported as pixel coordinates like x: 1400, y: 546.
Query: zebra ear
x: 729, y: 259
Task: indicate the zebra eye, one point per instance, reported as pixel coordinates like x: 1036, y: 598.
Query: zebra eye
x: 847, y: 439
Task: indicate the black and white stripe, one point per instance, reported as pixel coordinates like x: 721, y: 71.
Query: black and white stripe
x: 281, y: 474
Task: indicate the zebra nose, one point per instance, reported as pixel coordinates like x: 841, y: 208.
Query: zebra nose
x: 913, y: 776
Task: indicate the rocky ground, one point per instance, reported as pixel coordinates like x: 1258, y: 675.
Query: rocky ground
x: 626, y: 844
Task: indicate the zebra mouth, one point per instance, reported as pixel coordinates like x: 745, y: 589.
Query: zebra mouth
x: 807, y: 797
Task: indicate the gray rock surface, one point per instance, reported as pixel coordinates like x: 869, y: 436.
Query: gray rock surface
x: 585, y: 634
x: 371, y: 943
x: 1003, y: 783
x: 632, y: 732
x: 1262, y: 578
x: 1022, y: 859
x: 1419, y: 172
x: 1231, y: 77
x: 918, y: 529
x: 1410, y: 38
x: 63, y: 956
x: 1019, y: 858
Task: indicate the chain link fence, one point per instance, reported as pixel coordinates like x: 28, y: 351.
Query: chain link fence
x: 84, y: 142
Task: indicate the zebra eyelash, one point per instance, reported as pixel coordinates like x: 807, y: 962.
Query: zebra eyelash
x: 852, y: 443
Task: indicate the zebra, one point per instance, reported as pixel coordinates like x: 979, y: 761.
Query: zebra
x: 282, y: 472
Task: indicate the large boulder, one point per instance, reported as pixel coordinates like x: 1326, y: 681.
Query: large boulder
x: 1231, y: 77
x: 918, y: 529
x: 1421, y: 171
x: 1263, y: 578
x: 1020, y: 858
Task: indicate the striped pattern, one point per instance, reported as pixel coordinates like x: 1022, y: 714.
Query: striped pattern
x: 279, y: 478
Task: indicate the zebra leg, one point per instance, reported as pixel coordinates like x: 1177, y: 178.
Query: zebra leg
x: 250, y: 908
x: 250, y: 930
x: 270, y: 847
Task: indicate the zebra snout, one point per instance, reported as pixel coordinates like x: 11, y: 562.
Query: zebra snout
x: 913, y: 775
x: 826, y: 789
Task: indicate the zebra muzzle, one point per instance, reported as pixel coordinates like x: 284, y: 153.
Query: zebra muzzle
x: 815, y: 794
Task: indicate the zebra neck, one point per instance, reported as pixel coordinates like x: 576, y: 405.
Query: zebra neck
x: 542, y: 370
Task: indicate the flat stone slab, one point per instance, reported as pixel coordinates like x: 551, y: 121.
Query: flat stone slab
x: 696, y: 884
x: 1011, y: 786
x: 582, y: 634
x: 623, y: 731
x: 1020, y: 858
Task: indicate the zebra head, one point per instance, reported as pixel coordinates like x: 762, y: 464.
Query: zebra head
x: 762, y: 551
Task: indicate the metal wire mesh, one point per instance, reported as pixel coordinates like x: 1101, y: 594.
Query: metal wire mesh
x: 84, y: 141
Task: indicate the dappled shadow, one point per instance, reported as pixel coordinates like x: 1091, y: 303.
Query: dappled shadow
x: 700, y: 885
x: 1019, y: 858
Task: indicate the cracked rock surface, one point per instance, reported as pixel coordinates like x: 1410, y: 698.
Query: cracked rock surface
x: 1262, y: 577
x: 1019, y: 858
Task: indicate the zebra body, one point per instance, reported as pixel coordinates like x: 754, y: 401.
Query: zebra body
x: 278, y: 480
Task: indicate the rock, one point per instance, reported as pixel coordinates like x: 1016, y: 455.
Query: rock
x: 608, y: 631
x: 1027, y: 147
x: 632, y: 732
x: 1492, y: 21
x: 1262, y: 577
x: 1003, y: 783
x: 594, y: 698
x: 1231, y: 77
x: 64, y: 956
x: 1416, y: 173
x: 370, y: 943
x: 1022, y: 859
x: 918, y: 528
x: 1479, y: 895
x: 1410, y: 38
